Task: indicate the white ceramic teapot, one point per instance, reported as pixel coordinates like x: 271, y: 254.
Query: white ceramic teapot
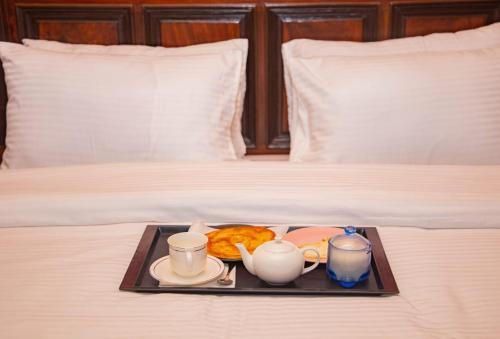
x: 277, y: 262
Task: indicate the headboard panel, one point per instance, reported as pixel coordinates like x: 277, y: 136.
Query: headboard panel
x: 424, y: 18
x: 184, y: 22
x: 355, y: 22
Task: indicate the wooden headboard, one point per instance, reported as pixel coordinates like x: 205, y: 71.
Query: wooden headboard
x: 179, y: 23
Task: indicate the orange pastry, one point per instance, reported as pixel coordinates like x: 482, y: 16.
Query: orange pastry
x: 221, y: 242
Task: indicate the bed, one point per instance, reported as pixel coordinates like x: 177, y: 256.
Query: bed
x: 68, y: 233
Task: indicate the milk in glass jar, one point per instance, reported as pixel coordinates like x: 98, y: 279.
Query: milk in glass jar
x: 349, y: 258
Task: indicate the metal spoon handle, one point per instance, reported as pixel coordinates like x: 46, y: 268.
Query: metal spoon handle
x: 228, y: 273
x: 226, y: 280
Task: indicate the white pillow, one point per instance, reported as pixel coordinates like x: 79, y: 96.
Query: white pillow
x: 419, y: 108
x: 487, y: 36
x: 68, y: 108
x: 202, y: 49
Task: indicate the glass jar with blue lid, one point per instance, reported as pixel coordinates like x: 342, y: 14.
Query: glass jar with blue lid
x: 349, y: 258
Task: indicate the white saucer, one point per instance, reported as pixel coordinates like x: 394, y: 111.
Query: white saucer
x: 162, y: 271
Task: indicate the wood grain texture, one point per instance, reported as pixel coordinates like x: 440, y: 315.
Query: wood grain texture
x: 98, y: 33
x: 3, y: 23
x: 323, y: 29
x: 3, y: 89
x: 415, y: 26
x: 324, y: 22
x: 3, y: 111
x: 76, y: 23
x: 177, y: 34
x: 175, y: 26
x: 410, y: 19
x: 381, y: 263
x: 139, y: 258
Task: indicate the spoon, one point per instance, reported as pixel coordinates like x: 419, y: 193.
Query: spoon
x: 226, y: 280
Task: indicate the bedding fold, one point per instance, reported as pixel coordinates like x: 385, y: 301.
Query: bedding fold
x: 252, y: 192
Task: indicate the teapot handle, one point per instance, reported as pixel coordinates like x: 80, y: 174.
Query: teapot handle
x: 316, y: 263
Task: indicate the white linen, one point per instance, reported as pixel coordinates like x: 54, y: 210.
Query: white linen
x: 419, y: 108
x: 477, y: 38
x: 483, y: 37
x: 219, y: 47
x: 85, y: 108
x: 62, y: 282
x: 254, y: 192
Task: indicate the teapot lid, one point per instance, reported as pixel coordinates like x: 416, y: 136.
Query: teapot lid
x: 278, y: 246
x: 351, y: 241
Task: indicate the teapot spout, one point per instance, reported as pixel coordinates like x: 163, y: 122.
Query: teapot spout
x: 247, y: 258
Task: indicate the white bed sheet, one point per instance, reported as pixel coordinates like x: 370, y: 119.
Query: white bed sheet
x: 62, y: 282
x: 254, y: 192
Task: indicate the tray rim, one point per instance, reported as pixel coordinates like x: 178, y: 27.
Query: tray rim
x: 152, y: 232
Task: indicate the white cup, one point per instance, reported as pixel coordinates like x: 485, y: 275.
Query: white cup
x: 188, y: 253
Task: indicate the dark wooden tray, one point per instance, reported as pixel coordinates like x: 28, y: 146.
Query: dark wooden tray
x: 153, y: 245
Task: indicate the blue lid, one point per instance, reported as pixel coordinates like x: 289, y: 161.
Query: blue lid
x: 350, y: 230
x: 351, y: 241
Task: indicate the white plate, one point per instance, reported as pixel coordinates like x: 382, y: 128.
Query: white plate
x: 308, y: 235
x: 162, y: 271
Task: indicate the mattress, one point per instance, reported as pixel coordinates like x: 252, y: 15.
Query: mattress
x: 69, y: 233
x: 62, y: 282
